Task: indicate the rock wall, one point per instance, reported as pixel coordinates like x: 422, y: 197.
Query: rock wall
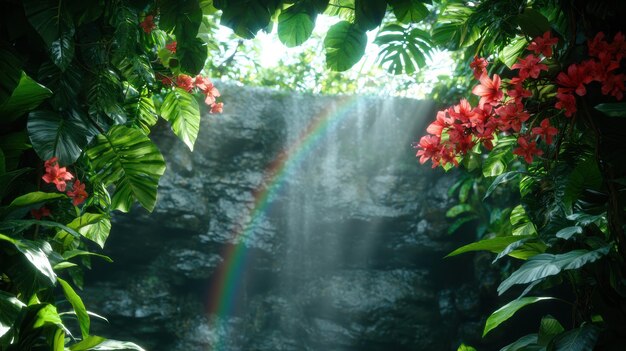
x: 346, y: 254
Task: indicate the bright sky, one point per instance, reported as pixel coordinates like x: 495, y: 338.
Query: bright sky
x: 272, y: 50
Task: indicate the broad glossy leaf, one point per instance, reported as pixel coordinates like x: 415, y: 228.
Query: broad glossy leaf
x: 402, y: 49
x: 568, y: 232
x: 246, y: 17
x: 181, y: 109
x: 9, y: 74
x: 27, y: 95
x: 95, y: 227
x: 545, y: 265
x: 78, y: 305
x: 501, y: 179
x: 106, y: 96
x: 579, y: 339
x: 62, y: 50
x: 10, y: 307
x: 507, y: 311
x: 498, y: 159
x: 66, y: 85
x: 73, y: 253
x: 459, y: 209
x: 520, y: 343
x: 464, y: 347
x: 295, y: 26
x: 409, y: 11
x: 47, y: 315
x: 368, y: 14
x: 345, y: 45
x: 34, y: 253
x: 533, y: 23
x: 110, y: 345
x: 58, y: 135
x: 548, y: 328
x: 129, y: 159
x: 523, y: 249
x: 140, y: 109
x: 494, y: 245
x: 47, y: 17
x: 36, y: 198
x: 522, y: 225
x: 192, y: 55
x: 512, y: 51
x: 613, y: 109
x: 137, y: 70
x: 87, y: 343
x: 459, y: 222
x: 58, y: 343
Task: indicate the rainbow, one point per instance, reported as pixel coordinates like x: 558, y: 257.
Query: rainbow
x: 228, y: 276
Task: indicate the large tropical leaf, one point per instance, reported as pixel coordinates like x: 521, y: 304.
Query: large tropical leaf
x: 246, y: 17
x: 533, y: 23
x: 545, y: 265
x: 35, y: 253
x: 345, y: 45
x: 579, y: 339
x: 140, y: 109
x: 9, y: 74
x: 403, y: 49
x: 181, y: 109
x: 106, y: 96
x: 507, y: 311
x: 409, y: 11
x: 78, y: 305
x: 368, y: 14
x: 295, y: 25
x: 192, y: 55
x: 453, y: 30
x: 494, y: 245
x: 93, y: 226
x: 62, y: 135
x: 10, y: 307
x: 66, y: 85
x: 62, y: 50
x: 498, y: 159
x: 137, y: 70
x: 27, y: 95
x: 127, y: 158
x: 48, y: 18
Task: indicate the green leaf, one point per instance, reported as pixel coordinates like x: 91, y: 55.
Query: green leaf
x: 137, y: 70
x: 579, y: 339
x: 345, y: 45
x: 507, y: 311
x: 58, y: 343
x: 36, y: 198
x: 47, y: 17
x: 464, y: 347
x: 34, y: 253
x: 459, y: 222
x: 78, y: 305
x: 614, y: 109
x: 129, y: 159
x: 459, y: 209
x: 512, y: 51
x: 62, y: 50
x: 106, y: 96
x: 368, y: 14
x: 533, y: 23
x: 58, y: 135
x: 181, y: 109
x: 402, y: 49
x: 140, y: 109
x: 246, y: 17
x: 10, y: 307
x: 548, y: 328
x: 501, y: 179
x: 109, y: 345
x: 66, y: 85
x: 568, y: 232
x: 522, y: 225
x: 9, y: 74
x: 295, y: 26
x: 409, y: 11
x: 95, y: 227
x: 499, y: 158
x: 494, y: 245
x: 47, y: 315
x: 73, y: 253
x: 87, y: 343
x: 545, y: 265
x: 27, y: 95
x: 521, y: 343
x: 192, y: 55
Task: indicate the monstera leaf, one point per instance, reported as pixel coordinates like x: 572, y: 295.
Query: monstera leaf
x: 126, y: 158
x: 403, y: 49
x: 181, y: 109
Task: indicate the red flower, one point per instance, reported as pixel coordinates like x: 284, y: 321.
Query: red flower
x: 529, y: 66
x: 543, y: 44
x: 148, y: 24
x: 527, y: 149
x: 597, y: 45
x: 463, y: 112
x: 171, y: 47
x: 574, y: 79
x: 49, y: 163
x: 185, y: 82
x: 439, y: 124
x: 42, y: 212
x: 430, y: 149
x: 58, y: 176
x: 614, y: 85
x: 166, y: 80
x: 217, y: 107
x: 488, y: 90
x: 518, y: 92
x: 545, y: 130
x: 479, y: 66
x: 78, y: 193
x: 566, y: 102
x: 512, y: 115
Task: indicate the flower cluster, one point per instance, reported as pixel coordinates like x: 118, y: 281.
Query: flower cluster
x: 605, y: 60
x: 148, y: 24
x: 203, y: 84
x: 59, y: 177
x: 460, y: 128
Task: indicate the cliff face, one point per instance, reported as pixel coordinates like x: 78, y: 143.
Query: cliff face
x: 342, y: 234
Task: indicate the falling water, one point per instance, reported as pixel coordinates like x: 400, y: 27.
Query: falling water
x: 300, y: 222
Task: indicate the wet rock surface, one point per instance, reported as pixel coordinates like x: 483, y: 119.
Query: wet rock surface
x: 342, y: 231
